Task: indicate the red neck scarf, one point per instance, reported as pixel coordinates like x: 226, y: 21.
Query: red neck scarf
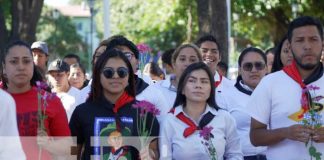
x: 192, y: 127
x: 292, y: 71
x: 122, y: 100
x: 217, y: 83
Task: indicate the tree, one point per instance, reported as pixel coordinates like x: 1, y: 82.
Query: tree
x: 263, y: 23
x: 18, y: 20
x: 61, y: 36
x: 212, y: 15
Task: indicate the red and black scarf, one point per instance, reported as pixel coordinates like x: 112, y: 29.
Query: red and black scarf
x: 292, y: 71
x: 192, y: 127
x: 121, y: 101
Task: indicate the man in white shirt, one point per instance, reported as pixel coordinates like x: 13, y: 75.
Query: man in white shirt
x: 58, y: 73
x: 275, y: 105
x: 211, y: 56
x: 10, y: 147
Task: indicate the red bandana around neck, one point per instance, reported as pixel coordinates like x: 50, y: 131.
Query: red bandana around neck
x: 217, y: 83
x: 292, y: 71
x: 122, y: 100
x: 192, y: 127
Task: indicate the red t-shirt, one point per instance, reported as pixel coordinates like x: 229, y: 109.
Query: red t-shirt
x: 56, y: 123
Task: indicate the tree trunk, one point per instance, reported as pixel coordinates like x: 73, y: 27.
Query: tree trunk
x: 3, y: 30
x: 25, y: 15
x: 212, y: 19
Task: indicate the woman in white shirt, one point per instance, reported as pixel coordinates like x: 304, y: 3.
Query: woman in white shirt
x: 194, y: 111
x: 252, y: 68
x: 182, y: 57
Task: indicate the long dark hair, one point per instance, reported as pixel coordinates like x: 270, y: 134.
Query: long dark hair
x: 96, y: 87
x: 37, y: 76
x: 181, y: 99
x: 277, y: 63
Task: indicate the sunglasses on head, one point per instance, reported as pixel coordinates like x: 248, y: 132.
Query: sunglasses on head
x: 249, y: 66
x: 129, y: 55
x: 110, y: 72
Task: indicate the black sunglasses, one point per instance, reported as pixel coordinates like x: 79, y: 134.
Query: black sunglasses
x: 249, y: 66
x: 110, y: 72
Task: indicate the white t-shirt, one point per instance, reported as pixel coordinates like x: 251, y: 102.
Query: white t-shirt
x: 169, y: 93
x: 85, y: 92
x: 273, y: 102
x: 224, y: 85
x: 173, y: 145
x: 235, y: 103
x: 70, y: 100
x: 10, y: 147
x: 153, y: 95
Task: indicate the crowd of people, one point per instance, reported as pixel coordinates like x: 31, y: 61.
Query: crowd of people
x: 188, y: 108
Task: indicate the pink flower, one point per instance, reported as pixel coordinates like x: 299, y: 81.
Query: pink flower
x: 206, y: 132
x: 143, y: 48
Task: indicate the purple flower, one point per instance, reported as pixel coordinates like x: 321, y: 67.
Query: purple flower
x: 313, y: 87
x: 143, y: 48
x: 41, y: 85
x: 206, y: 132
x: 146, y: 107
x: 317, y: 98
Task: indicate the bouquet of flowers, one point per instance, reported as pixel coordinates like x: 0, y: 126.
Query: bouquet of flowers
x: 145, y: 107
x: 42, y: 97
x: 311, y: 117
x: 144, y: 55
x: 207, y: 136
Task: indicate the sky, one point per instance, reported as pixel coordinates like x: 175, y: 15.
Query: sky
x: 56, y: 2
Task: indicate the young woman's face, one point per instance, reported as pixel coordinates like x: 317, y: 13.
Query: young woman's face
x: 114, y: 76
x: 76, y: 77
x: 286, y: 55
x: 252, y: 69
x: 197, y: 87
x: 186, y: 57
x: 18, y: 66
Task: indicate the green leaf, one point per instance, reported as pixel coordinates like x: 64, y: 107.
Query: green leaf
x: 312, y: 150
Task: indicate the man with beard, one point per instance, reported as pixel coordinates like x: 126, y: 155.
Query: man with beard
x: 287, y: 105
x: 212, y: 56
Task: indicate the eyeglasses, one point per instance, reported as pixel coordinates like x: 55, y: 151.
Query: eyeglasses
x: 129, y: 55
x: 110, y: 72
x: 249, y: 66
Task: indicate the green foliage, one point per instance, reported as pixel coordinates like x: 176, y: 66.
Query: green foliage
x: 262, y: 22
x: 160, y: 24
x: 61, y: 35
x: 5, y: 6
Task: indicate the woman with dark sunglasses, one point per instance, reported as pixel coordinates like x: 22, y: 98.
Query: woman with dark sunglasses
x: 109, y: 108
x: 252, y: 68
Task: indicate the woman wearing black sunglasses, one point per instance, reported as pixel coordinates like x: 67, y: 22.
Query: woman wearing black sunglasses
x: 109, y: 108
x: 252, y: 68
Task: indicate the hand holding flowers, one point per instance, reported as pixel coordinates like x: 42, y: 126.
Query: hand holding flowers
x: 42, y: 97
x: 145, y: 125
x: 312, y: 119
